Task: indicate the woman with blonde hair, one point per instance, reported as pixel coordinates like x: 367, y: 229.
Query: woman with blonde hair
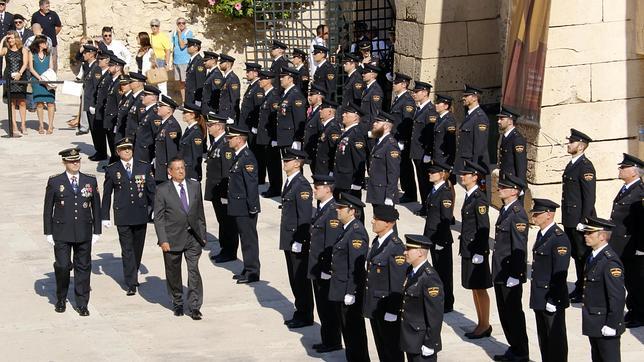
x: 17, y: 60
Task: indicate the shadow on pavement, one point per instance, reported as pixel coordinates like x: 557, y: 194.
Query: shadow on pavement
x: 461, y: 324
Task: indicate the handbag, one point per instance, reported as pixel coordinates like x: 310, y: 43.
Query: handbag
x: 156, y: 76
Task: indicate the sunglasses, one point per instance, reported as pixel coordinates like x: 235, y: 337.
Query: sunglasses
x: 18, y: 22
x: 181, y: 23
x: 154, y: 26
x: 107, y: 36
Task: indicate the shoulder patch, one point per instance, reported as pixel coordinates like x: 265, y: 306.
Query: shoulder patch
x: 376, y: 98
x: 482, y: 127
x: 562, y: 250
x: 616, y: 272
x: 358, y: 85
x: 234, y: 86
x: 217, y: 81
x: 200, y: 68
x: 447, y: 204
x: 432, y: 119
x: 330, y: 76
x: 305, y: 195
x: 399, y: 259
x: 334, y: 223
x: 409, y: 109
x: 482, y: 209
x: 558, y: 232
x: 589, y: 176
x: 521, y: 226
x: 259, y: 95
x: 433, y: 291
x: 335, y: 136
x: 298, y: 103
x: 357, y: 243
x: 172, y: 135
x: 516, y: 208
x: 198, y: 141
x: 249, y: 168
x: 519, y: 148
x: 451, y: 129
x: 359, y: 145
x: 394, y: 153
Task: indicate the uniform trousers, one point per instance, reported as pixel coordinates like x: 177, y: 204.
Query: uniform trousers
x: 274, y: 168
x: 297, y: 267
x: 383, y: 334
x: 247, y: 227
x: 132, y: 240
x: 98, y: 135
x: 354, y: 333
x: 508, y: 303
x: 110, y: 143
x: 420, y: 358
x: 579, y: 253
x: 82, y: 270
x: 172, y: 261
x: 551, y: 331
x: 228, y: 236
x: 423, y: 178
x: 260, y: 155
x: 605, y: 349
x: 407, y: 179
x: 442, y: 262
x: 634, y: 279
x: 329, y: 322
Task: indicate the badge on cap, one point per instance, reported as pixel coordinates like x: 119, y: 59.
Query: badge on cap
x: 433, y: 291
x: 357, y: 244
x: 400, y: 259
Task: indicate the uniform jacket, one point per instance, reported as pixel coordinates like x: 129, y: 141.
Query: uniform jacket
x: 218, y: 163
x: 195, y: 78
x: 68, y: 216
x: 133, y: 197
x: 253, y: 99
x: 440, y: 215
x: 230, y: 96
x: 604, y: 294
x: 172, y: 223
x: 144, y: 133
x: 276, y: 68
x: 628, y: 214
x: 422, y: 133
x: 475, y: 225
x: 444, y: 146
x: 421, y: 317
x: 166, y: 146
x: 513, y: 159
x: 324, y: 78
x: 578, y: 196
x: 267, y: 125
x: 404, y: 109
x: 473, y: 138
x: 327, y: 144
x: 191, y: 149
x: 135, y: 111
x: 550, y: 261
x: 511, y: 243
x: 91, y: 76
x: 302, y: 81
x: 291, y: 117
x: 312, y: 130
x: 111, y: 113
x: 211, y: 91
x: 384, y: 171
x: 352, y: 89
x: 325, y: 230
x: 348, y: 260
x: 386, y: 272
x: 371, y: 104
x: 350, y: 158
x: 243, y: 195
x: 125, y: 102
x: 297, y: 210
x: 100, y: 96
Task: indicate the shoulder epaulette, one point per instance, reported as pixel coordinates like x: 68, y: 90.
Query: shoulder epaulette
x: 608, y: 253
x: 112, y: 164
x: 516, y: 208
x: 395, y: 239
x: 52, y: 176
x: 90, y: 175
x: 144, y: 162
x: 558, y: 231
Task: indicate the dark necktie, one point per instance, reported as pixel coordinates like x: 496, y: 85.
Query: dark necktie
x: 2, y: 19
x: 410, y: 274
x: 285, y: 185
x: 74, y: 184
x: 395, y: 99
x: 183, y: 197
x: 590, y: 258
x: 128, y: 169
x: 539, y: 236
x: 623, y: 190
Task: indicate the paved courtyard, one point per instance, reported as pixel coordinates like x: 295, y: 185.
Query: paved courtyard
x: 241, y: 322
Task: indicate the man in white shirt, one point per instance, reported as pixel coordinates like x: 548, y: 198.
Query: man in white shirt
x: 118, y: 48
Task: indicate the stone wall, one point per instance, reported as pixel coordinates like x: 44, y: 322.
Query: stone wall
x: 593, y: 82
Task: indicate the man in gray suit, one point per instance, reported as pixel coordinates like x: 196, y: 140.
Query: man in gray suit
x: 181, y: 231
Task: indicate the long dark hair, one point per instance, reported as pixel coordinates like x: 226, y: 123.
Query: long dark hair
x: 144, y: 40
x: 35, y: 45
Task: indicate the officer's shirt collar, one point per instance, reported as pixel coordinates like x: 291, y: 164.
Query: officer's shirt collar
x: 506, y: 207
x: 351, y: 126
x: 128, y: 93
x: 253, y: 81
x: 574, y: 159
x: 185, y: 188
x: 69, y: 176
x: 190, y: 126
x: 323, y: 203
x: 322, y: 62
x: 438, y: 185
x: 267, y: 91
x: 421, y: 106
x: 351, y: 72
x: 104, y: 70
x: 227, y: 72
x: 289, y: 88
x: 469, y: 193
x: 315, y: 107
x: 324, y: 123
x: 545, y: 230
x: 241, y: 149
x: 443, y: 114
x: 148, y: 107
x: 92, y: 62
x: 507, y: 133
x: 381, y: 239
x: 126, y: 163
x: 416, y: 268
x: 345, y: 226
x: 469, y: 111
x: 299, y: 66
x: 370, y: 83
x: 193, y: 57
x: 383, y: 137
x: 290, y: 178
x: 598, y: 250
x: 631, y: 183
x: 217, y: 138
x: 137, y: 93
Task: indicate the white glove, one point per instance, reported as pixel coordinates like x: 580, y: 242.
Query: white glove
x: 273, y: 143
x: 389, y: 202
x: 551, y: 308
x: 296, y: 247
x: 438, y: 247
x: 369, y: 134
x: 254, y: 130
x: 426, y: 351
x: 230, y: 121
x: 390, y: 317
x: 106, y: 224
x: 349, y: 299
x: 512, y: 282
x: 477, y: 259
x: 95, y: 238
x: 198, y: 103
x: 325, y: 276
x: 606, y: 331
x: 521, y: 193
x: 401, y: 146
x: 356, y: 187
x: 580, y: 227
x: 639, y: 253
x: 426, y: 159
x: 331, y: 173
x: 92, y: 110
x: 50, y: 239
x: 224, y: 201
x: 152, y: 162
x: 297, y: 145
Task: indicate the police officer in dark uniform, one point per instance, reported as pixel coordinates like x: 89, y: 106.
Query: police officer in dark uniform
x: 474, y: 246
x: 295, y: 235
x: 313, y: 127
x: 386, y: 271
x: 627, y: 238
x: 422, y: 138
x: 192, y: 141
x: 298, y: 59
x: 123, y: 107
x: 353, y: 84
x: 348, y: 277
x: 350, y: 155
x: 195, y: 72
x: 166, y: 142
x: 422, y: 310
x: 110, y: 114
x: 252, y: 100
x: 473, y: 133
x: 212, y: 84
x: 100, y: 95
x: 269, y: 159
x: 149, y: 121
x: 384, y: 163
x: 132, y: 183
x: 72, y: 221
x: 291, y: 117
x: 602, y: 311
x: 440, y: 217
x: 132, y: 118
x: 243, y: 201
x: 327, y: 143
x: 509, y: 264
x: 325, y: 230
x: 372, y: 96
x: 324, y: 76
x: 577, y: 203
x: 218, y: 163
x: 229, y: 96
x: 403, y: 107
x: 279, y: 61
x: 444, y: 149
x: 91, y: 75
x: 513, y: 159
x: 548, y: 289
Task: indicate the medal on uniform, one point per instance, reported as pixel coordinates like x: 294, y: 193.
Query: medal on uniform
x: 118, y: 175
x: 62, y: 202
x: 62, y: 188
x: 140, y: 195
x: 85, y: 205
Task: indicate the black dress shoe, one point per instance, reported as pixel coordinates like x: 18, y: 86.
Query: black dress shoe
x: 82, y: 311
x: 238, y: 276
x: 509, y: 356
x: 296, y: 323
x: 286, y: 322
x: 405, y: 199
x: 634, y: 323
x: 98, y: 158
x: 80, y: 133
x: 60, y: 306
x: 178, y: 310
x: 196, y: 315
x: 130, y: 291
x: 447, y: 310
x: 485, y: 334
x: 224, y: 258
x: 271, y: 193
x: 326, y: 349
x: 245, y: 279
